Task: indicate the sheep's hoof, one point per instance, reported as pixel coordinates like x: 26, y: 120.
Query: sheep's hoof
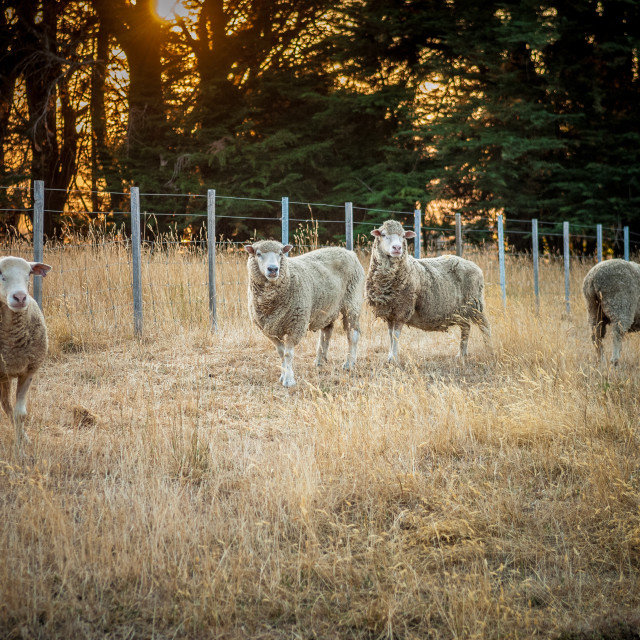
x: 288, y: 383
x: 347, y: 366
x: 320, y: 363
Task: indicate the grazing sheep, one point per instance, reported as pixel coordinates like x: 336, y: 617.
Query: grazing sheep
x: 431, y: 294
x: 23, y: 336
x: 288, y: 296
x: 612, y: 292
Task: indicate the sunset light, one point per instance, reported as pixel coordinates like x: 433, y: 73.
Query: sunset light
x: 169, y: 9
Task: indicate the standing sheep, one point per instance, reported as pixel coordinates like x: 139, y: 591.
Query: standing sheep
x: 288, y: 296
x: 431, y: 294
x: 23, y: 336
x: 612, y: 292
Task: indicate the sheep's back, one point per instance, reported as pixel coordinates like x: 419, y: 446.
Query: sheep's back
x: 329, y: 276
x: 450, y: 286
x: 615, y: 284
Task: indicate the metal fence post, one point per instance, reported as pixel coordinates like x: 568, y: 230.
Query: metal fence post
x: 38, y: 235
x: 536, y: 275
x: 626, y: 244
x: 567, y: 255
x: 417, y: 227
x: 503, y: 283
x: 285, y: 220
x: 136, y: 261
x: 211, y: 255
x: 599, y: 242
x: 458, y: 235
x: 348, y: 224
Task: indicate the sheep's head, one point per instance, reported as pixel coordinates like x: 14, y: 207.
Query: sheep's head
x: 391, y: 238
x: 14, y: 281
x: 268, y: 255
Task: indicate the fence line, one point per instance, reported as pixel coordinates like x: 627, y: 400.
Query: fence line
x: 190, y: 293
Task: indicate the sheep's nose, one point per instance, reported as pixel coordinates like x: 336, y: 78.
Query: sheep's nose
x: 273, y: 271
x: 396, y: 247
x: 20, y: 298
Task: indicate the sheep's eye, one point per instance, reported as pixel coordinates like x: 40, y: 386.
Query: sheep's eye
x: 258, y: 254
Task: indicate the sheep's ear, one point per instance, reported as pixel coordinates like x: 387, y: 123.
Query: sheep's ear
x: 409, y: 234
x: 376, y: 232
x: 287, y: 248
x: 249, y: 249
x: 39, y: 269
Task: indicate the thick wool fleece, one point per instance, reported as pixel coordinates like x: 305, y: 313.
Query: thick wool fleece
x: 23, y: 340
x: 310, y: 293
x: 432, y: 294
x: 612, y: 293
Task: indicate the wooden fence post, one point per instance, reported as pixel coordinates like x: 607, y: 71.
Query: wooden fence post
x: 626, y: 244
x: 417, y: 227
x: 536, y: 273
x: 211, y: 255
x: 567, y: 256
x: 599, y: 242
x: 38, y: 235
x: 348, y: 224
x: 458, y: 235
x: 136, y: 261
x: 503, y: 283
x: 285, y: 220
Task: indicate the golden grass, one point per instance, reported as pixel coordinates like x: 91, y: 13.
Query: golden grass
x: 175, y: 490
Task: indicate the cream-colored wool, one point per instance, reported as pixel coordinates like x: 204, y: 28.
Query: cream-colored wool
x: 288, y: 296
x: 432, y: 294
x: 23, y: 336
x: 612, y: 292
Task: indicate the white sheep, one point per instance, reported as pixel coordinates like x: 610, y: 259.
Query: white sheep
x: 612, y: 293
x: 432, y: 294
x: 288, y: 296
x: 23, y: 336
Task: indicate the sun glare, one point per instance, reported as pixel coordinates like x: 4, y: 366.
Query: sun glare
x: 169, y: 9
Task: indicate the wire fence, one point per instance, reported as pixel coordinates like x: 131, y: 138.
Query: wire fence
x: 132, y: 276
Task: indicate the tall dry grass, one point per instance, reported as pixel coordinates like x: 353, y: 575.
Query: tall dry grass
x: 175, y: 490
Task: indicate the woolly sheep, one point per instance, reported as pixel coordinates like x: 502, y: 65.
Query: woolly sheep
x: 23, y: 336
x: 288, y: 296
x: 432, y: 294
x: 612, y: 292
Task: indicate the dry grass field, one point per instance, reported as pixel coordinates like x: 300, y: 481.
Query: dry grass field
x: 174, y: 490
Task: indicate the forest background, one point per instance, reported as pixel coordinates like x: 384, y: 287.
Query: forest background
x: 529, y: 109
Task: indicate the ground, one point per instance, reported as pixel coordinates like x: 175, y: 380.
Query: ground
x: 174, y: 489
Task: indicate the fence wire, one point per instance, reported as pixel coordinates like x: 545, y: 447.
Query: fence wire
x: 91, y: 287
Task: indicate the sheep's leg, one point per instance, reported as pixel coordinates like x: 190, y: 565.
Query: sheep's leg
x: 5, y: 390
x: 598, y: 329
x: 465, y: 330
x: 394, y: 339
x: 483, y: 323
x: 352, y: 329
x: 323, y: 345
x: 288, y: 379
x: 618, y: 333
x: 280, y: 349
x: 20, y: 410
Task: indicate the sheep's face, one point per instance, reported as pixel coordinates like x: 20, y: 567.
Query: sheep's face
x: 267, y: 255
x: 391, y: 238
x: 14, y: 281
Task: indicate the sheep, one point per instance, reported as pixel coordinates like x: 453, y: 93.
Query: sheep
x: 23, y: 337
x: 611, y: 291
x: 432, y: 294
x: 288, y: 296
